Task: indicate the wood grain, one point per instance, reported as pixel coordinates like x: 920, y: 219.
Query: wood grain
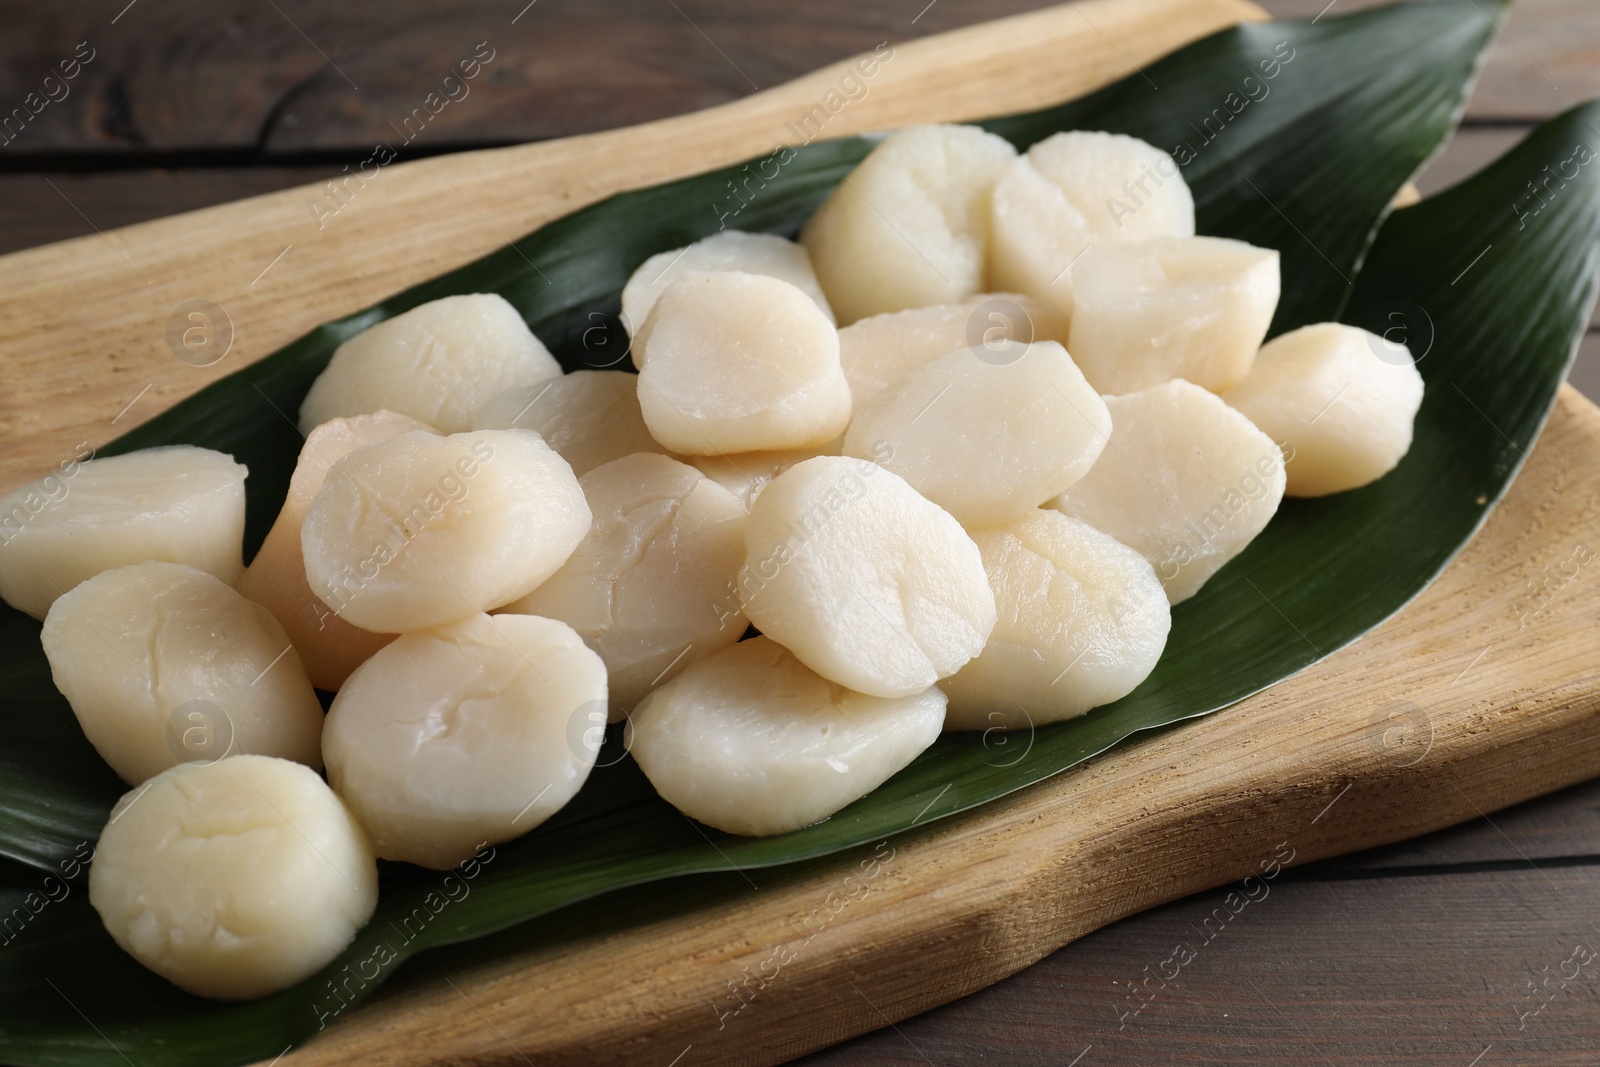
x: 1496, y: 712
x: 1564, y: 827
x: 67, y: 369
x: 243, y: 77
x: 199, y: 74
x: 1430, y: 971
x: 56, y: 205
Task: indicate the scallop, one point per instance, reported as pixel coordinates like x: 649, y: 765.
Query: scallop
x: 235, y: 879
x: 745, y: 474
x: 909, y: 227
x: 879, y: 350
x: 1150, y: 310
x: 180, y: 504
x: 651, y: 588
x: 1185, y: 480
x: 164, y: 664
x: 752, y: 741
x: 438, y: 363
x: 589, y: 417
x: 466, y: 735
x: 1072, y: 190
x: 987, y: 436
x: 1342, y: 410
x: 752, y: 253
x: 420, y: 530
x: 866, y: 581
x: 329, y: 646
x: 739, y: 362
x: 1082, y: 621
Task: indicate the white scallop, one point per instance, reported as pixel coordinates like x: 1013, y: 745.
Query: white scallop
x: 651, y: 587
x: 420, y: 530
x: 164, y: 663
x: 1185, y: 481
x: 178, y: 503
x: 909, y: 227
x: 466, y: 735
x: 1072, y: 190
x: 987, y: 435
x: 329, y: 646
x: 1082, y: 621
x: 1151, y: 310
x: 745, y: 474
x: 438, y: 362
x: 738, y: 363
x: 235, y: 879
x: 881, y: 349
x: 589, y: 417
x: 866, y: 581
x: 752, y: 253
x: 751, y: 741
x: 1342, y: 410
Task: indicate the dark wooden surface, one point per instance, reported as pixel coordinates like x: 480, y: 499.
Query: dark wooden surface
x: 1463, y: 948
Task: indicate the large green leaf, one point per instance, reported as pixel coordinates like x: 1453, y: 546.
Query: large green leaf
x: 1323, y: 573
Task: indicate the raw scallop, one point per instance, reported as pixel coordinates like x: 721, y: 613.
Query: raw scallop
x: 180, y: 504
x: 988, y: 441
x: 752, y: 253
x: 1152, y: 310
x: 1185, y: 481
x: 879, y: 350
x: 164, y: 663
x: 867, y: 582
x: 1075, y: 189
x: 740, y: 362
x: 651, y: 588
x: 909, y: 227
x: 420, y: 530
x: 329, y: 646
x: 1082, y: 621
x: 751, y: 741
x: 438, y: 363
x: 589, y: 417
x: 235, y: 879
x: 1344, y: 412
x: 466, y: 735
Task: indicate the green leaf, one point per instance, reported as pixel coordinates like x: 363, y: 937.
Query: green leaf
x: 1322, y: 574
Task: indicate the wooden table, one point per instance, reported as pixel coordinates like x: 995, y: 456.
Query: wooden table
x: 1420, y: 953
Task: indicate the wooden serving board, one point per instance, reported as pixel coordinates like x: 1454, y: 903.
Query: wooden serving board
x: 1473, y: 698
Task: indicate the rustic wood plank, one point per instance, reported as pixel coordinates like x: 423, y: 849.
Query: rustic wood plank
x: 1421, y: 971
x: 203, y: 75
x: 957, y: 905
x: 39, y: 208
x: 1561, y: 826
x: 1586, y: 371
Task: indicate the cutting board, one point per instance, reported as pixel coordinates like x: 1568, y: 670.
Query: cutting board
x: 1480, y: 694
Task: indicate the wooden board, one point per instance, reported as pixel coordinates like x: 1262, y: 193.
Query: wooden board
x: 1487, y: 712
x: 643, y: 976
x: 1446, y: 983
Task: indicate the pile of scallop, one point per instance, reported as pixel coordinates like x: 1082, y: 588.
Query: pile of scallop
x: 953, y: 454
